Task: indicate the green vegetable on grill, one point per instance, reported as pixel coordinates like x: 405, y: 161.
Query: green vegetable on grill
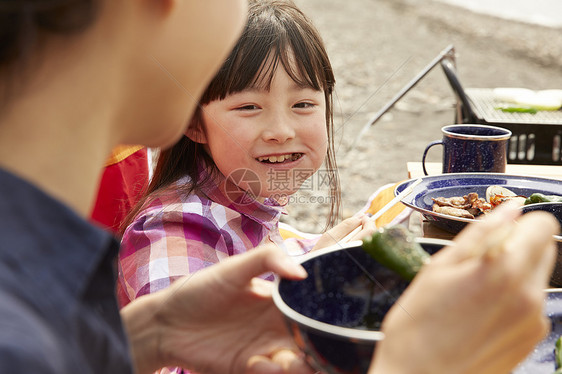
x: 516, y: 109
x: 540, y: 198
x: 395, y: 247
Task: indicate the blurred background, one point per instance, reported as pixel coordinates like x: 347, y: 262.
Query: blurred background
x: 378, y: 46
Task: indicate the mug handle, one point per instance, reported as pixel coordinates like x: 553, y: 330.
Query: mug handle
x: 436, y: 142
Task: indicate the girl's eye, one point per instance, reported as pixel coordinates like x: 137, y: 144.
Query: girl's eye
x: 247, y: 107
x: 304, y: 105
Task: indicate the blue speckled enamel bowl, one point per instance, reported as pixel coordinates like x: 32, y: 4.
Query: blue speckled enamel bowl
x: 556, y: 210
x: 459, y: 184
x: 335, y: 313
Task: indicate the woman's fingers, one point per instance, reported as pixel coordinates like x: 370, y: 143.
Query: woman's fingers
x: 478, y: 237
x: 291, y: 361
x: 282, y: 361
x: 240, y: 269
x: 520, y: 249
x: 531, y: 252
x: 527, y: 238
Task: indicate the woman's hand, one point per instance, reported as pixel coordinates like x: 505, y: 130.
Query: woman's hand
x: 468, y: 312
x: 219, y: 320
x: 347, y: 226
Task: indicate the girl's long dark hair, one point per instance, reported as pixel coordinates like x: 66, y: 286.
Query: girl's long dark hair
x: 276, y: 33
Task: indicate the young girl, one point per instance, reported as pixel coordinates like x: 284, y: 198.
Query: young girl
x: 263, y: 126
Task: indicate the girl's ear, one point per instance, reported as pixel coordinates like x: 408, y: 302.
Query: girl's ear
x: 195, y: 132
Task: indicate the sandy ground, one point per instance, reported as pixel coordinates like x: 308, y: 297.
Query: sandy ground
x: 377, y: 47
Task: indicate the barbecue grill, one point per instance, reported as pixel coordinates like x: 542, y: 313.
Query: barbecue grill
x: 536, y: 137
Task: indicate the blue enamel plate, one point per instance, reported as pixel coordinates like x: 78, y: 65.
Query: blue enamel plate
x: 460, y: 184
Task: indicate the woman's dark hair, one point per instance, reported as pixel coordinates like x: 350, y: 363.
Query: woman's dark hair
x: 25, y: 23
x: 276, y: 30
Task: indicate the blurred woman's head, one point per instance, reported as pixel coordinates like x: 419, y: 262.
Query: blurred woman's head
x: 160, y: 56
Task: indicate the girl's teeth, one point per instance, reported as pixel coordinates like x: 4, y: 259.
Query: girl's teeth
x: 281, y: 158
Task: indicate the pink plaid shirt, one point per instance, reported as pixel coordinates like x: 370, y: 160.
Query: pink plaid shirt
x: 176, y: 235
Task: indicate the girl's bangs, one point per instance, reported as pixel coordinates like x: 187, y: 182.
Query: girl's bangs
x: 258, y: 55
x: 298, y: 68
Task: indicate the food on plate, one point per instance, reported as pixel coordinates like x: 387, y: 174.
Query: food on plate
x: 455, y: 202
x: 452, y: 211
x: 395, y: 247
x: 541, y: 198
x: 471, y: 205
x: 467, y: 206
x: 496, y: 195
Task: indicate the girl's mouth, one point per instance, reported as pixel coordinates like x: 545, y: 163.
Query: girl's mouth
x: 289, y: 157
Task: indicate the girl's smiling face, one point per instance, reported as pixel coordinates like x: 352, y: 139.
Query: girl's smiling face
x: 277, y: 133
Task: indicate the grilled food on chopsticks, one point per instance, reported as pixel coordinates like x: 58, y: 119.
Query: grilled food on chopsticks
x: 395, y: 247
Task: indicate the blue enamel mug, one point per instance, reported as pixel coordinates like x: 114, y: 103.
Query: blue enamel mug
x: 472, y: 148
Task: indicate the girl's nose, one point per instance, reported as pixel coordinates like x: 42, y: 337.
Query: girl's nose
x: 279, y: 130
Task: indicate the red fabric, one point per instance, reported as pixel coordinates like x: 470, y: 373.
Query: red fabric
x: 120, y: 188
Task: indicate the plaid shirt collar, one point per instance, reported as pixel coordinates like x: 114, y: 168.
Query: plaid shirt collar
x: 224, y: 192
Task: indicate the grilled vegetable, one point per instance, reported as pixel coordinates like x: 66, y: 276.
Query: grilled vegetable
x: 516, y: 109
x: 395, y: 247
x: 540, y: 198
x: 525, y: 98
